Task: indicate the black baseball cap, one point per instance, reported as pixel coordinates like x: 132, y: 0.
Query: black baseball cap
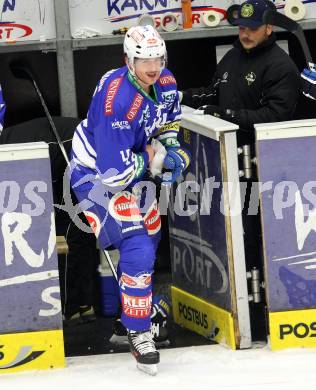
x: 250, y: 13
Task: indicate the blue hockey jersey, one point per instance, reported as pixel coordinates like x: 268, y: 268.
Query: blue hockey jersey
x: 2, y: 110
x: 110, y: 143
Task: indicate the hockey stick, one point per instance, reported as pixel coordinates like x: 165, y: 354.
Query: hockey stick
x: 21, y: 71
x: 277, y: 19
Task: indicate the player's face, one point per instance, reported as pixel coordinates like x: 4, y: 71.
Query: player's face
x: 250, y: 38
x: 148, y: 70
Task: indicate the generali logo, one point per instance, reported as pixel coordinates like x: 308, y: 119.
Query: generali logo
x: 15, y: 31
x: 110, y: 95
x: 166, y: 80
x: 133, y: 111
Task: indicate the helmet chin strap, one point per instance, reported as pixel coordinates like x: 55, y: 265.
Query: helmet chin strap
x: 134, y: 74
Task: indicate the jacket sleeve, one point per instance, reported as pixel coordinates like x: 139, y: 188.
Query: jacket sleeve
x: 279, y: 99
x: 2, y: 110
x: 197, y: 97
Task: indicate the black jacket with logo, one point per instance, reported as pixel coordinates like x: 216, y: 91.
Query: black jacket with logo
x: 260, y: 85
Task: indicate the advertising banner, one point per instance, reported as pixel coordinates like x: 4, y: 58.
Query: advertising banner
x: 102, y: 17
x: 203, y: 318
x: 197, y: 226
x: 29, y: 282
x: 287, y: 178
x: 292, y: 329
x: 99, y: 17
x: 31, y: 351
x: 27, y: 20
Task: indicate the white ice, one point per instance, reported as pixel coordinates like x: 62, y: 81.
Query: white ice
x: 211, y: 367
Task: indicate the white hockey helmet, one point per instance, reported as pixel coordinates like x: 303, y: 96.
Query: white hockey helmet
x: 144, y: 42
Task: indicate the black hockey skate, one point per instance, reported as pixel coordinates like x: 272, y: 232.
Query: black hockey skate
x: 158, y: 330
x: 158, y: 325
x: 119, y: 336
x: 144, y: 351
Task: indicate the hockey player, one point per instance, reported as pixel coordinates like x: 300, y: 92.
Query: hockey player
x: 111, y: 153
x: 2, y: 110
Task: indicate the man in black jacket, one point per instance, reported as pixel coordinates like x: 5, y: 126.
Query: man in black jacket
x: 255, y: 82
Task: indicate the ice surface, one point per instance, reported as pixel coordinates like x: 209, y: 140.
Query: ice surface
x: 205, y: 367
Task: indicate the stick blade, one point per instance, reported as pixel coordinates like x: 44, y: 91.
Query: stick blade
x: 21, y: 71
x: 277, y: 19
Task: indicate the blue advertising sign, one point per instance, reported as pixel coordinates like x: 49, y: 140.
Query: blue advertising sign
x: 29, y: 283
x: 288, y: 203
x: 197, y: 225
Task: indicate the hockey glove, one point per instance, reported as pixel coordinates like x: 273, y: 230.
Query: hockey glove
x: 176, y: 161
x: 218, y: 112
x: 309, y: 81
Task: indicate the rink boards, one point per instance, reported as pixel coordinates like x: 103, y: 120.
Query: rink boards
x: 286, y: 169
x: 31, y: 335
x: 32, y: 351
x: 292, y: 329
x: 209, y: 290
x: 201, y: 317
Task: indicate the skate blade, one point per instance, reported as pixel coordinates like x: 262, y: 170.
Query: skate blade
x: 118, y: 340
x: 150, y: 369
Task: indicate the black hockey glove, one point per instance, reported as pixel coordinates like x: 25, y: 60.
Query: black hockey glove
x: 218, y: 112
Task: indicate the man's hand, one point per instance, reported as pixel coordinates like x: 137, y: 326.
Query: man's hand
x: 176, y: 160
x: 213, y: 110
x: 216, y: 111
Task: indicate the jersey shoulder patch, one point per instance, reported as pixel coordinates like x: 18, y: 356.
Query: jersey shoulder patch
x: 110, y: 94
x: 135, y: 107
x: 167, y: 78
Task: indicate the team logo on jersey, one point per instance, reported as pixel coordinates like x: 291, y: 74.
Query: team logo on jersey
x: 136, y: 307
x: 250, y: 78
x: 94, y: 222
x: 123, y: 207
x: 167, y: 80
x: 168, y: 98
x: 173, y: 126
x: 120, y: 125
x: 152, y: 219
x: 141, y: 281
x: 137, y: 102
x: 247, y: 10
x: 110, y: 95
